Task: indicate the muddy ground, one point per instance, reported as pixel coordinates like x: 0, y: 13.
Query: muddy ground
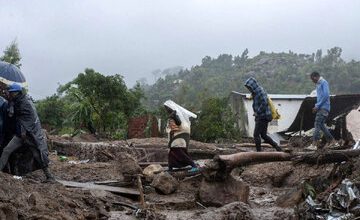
x: 30, y: 198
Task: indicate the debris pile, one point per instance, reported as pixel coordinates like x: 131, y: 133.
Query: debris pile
x: 112, y: 180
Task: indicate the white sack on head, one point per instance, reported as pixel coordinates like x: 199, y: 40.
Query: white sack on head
x: 183, y: 113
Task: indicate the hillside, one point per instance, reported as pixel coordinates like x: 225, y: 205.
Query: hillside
x: 277, y: 73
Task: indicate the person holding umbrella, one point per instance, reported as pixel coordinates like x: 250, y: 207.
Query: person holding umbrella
x: 28, y: 130
x: 9, y: 74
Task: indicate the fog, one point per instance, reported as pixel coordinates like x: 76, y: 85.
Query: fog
x: 59, y: 39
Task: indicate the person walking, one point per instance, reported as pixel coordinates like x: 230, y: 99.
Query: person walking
x: 322, y: 110
x: 262, y: 114
x: 178, y: 129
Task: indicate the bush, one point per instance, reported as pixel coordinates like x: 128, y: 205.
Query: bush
x: 215, y: 121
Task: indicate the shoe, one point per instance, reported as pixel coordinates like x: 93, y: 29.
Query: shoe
x: 333, y: 145
x: 194, y: 170
x: 49, y: 177
x: 50, y: 180
x: 312, y: 147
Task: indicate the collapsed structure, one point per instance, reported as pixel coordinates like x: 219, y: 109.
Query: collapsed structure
x: 295, y: 110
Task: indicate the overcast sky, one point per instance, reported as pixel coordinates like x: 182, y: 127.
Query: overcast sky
x: 59, y: 39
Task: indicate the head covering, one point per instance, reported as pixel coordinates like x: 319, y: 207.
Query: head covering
x: 252, y: 84
x: 183, y: 113
x: 15, y: 88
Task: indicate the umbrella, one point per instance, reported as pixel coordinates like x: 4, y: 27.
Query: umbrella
x: 10, y: 73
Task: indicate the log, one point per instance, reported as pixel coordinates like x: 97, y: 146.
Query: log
x: 115, y: 183
x: 323, y: 157
x: 317, y: 157
x: 219, y: 168
x: 251, y: 145
x: 245, y: 158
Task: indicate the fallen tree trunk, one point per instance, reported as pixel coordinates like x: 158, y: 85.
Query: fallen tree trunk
x: 245, y: 158
x: 332, y: 156
x: 252, y: 145
x: 221, y: 165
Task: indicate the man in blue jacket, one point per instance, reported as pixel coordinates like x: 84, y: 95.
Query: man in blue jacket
x: 262, y: 114
x: 322, y: 110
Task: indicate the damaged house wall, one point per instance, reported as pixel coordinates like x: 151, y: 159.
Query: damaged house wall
x: 143, y: 126
x: 353, y: 123
x: 287, y: 105
x: 295, y: 110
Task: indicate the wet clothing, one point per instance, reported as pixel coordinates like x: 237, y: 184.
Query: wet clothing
x: 262, y: 113
x: 320, y: 120
x: 261, y: 127
x: 179, y: 157
x: 178, y: 143
x: 323, y: 109
x: 260, y: 100
x: 12, y: 146
x: 28, y: 126
x: 3, y: 116
x: 322, y: 95
x: 178, y: 129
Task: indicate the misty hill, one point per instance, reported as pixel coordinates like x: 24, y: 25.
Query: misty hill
x: 277, y: 72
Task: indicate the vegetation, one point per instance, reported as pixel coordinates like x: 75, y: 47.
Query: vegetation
x: 276, y: 72
x: 215, y: 121
x: 103, y: 104
x: 92, y: 101
x: 12, y: 54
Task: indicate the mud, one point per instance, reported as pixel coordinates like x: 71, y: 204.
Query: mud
x: 30, y: 198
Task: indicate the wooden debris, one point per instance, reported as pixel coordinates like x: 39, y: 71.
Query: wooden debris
x: 114, y: 183
x: 91, y: 185
x: 218, y: 168
x: 141, y: 191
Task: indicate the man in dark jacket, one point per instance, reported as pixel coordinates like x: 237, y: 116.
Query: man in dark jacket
x: 262, y: 114
x: 28, y: 130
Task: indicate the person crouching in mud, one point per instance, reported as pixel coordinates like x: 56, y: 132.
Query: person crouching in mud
x: 178, y: 129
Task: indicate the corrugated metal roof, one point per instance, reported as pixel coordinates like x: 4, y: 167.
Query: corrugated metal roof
x: 340, y: 105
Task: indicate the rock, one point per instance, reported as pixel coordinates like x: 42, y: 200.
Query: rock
x: 128, y: 164
x: 33, y: 198
x: 290, y: 199
x: 8, y: 212
x: 279, y: 178
x: 164, y: 183
x: 235, y: 211
x: 221, y: 193
x: 150, y: 171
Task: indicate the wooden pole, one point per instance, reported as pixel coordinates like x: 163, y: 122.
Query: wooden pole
x: 141, y: 191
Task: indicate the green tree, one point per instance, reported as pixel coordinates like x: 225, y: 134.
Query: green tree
x: 215, y: 121
x: 101, y: 102
x: 12, y: 54
x: 51, y: 112
x: 239, y: 61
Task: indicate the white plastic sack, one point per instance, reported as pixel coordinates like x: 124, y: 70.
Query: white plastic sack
x: 184, y: 114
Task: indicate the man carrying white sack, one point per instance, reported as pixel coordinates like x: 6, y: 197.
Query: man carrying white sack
x: 178, y: 129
